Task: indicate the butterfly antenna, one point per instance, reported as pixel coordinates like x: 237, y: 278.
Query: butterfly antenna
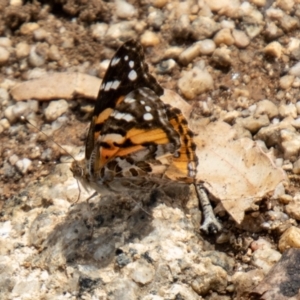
x: 52, y: 140
x: 49, y: 137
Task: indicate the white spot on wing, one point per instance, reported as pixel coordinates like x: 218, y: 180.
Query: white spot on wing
x: 148, y: 108
x: 129, y: 100
x: 108, y: 86
x: 128, y: 117
x: 115, y: 84
x: 115, y: 61
x: 148, y: 117
x: 132, y: 75
x: 126, y: 57
x: 142, y: 102
x: 131, y: 64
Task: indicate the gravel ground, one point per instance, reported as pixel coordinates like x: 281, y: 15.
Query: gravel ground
x: 233, y: 61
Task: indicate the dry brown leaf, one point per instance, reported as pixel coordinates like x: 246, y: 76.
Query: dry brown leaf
x: 57, y: 86
x: 237, y: 172
x: 283, y: 280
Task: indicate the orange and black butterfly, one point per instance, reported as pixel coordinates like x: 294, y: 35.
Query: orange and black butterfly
x: 134, y: 137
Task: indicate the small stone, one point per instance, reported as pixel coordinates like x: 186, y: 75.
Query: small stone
x: 28, y: 28
x: 295, y: 70
x: 4, y: 123
x: 290, y: 142
x: 246, y: 281
x: 99, y: 30
x: 156, y: 19
x: 253, y: 124
x: 296, y: 167
x: 55, y: 109
x: 230, y: 116
x: 13, y: 159
x: 23, y: 165
x: 224, y: 37
x: 204, y: 27
x: 288, y: 23
x: 259, y: 3
x: 22, y: 50
x: 141, y: 272
x: 16, y: 2
x: 40, y: 34
x: 241, y: 40
x: 4, y: 96
x: 195, y: 82
x: 208, y: 277
x: 273, y: 49
x: 189, y: 54
x: 285, y: 199
x: 294, y: 48
x: 293, y: 209
x: 54, y: 53
x: 297, y: 107
x: 272, y: 32
x: 29, y: 288
x: 288, y: 110
x: 159, y: 3
x: 296, y: 123
x: 35, y: 59
x: 265, y: 258
x: 286, y: 81
x: 286, y: 5
x: 5, y: 42
x: 125, y: 10
x: 15, y: 111
x: 206, y: 47
x: 222, y: 57
x: 289, y: 239
x: 149, y: 39
x: 266, y: 107
x: 184, y: 291
x: 271, y: 134
x: 166, y: 66
x: 4, y: 55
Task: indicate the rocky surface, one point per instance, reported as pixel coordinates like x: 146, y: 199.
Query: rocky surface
x: 233, y: 61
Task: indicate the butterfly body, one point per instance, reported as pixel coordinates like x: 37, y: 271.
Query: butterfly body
x: 135, y: 140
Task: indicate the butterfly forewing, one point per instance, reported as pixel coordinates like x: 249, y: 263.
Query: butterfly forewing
x: 127, y: 71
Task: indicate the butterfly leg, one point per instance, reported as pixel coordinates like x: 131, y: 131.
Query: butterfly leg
x: 210, y: 224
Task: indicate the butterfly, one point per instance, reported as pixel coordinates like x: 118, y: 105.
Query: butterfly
x: 135, y: 140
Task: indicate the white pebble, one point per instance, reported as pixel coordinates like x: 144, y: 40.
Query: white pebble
x: 207, y: 47
x: 189, y: 54
x: 22, y: 50
x: 4, y: 123
x: 5, y: 42
x: 124, y: 10
x: 286, y: 81
x: 195, y: 82
x: 13, y: 159
x: 99, y: 30
x: 55, y: 109
x: 40, y: 34
x: 241, y: 40
x: 35, y: 60
x: 273, y: 49
x: 224, y: 36
x: 149, y: 39
x: 23, y: 165
x: 4, y: 55
x: 288, y: 110
x: 295, y: 70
